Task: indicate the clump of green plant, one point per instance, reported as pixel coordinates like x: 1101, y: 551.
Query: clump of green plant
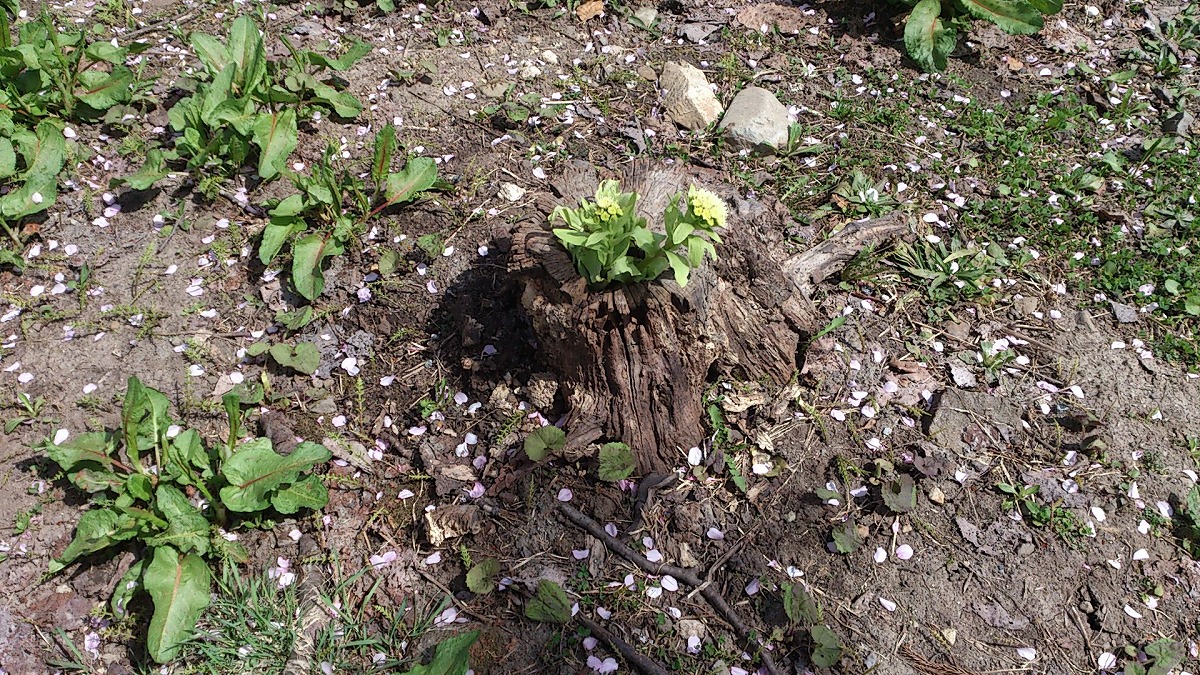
x: 156, y: 484
x: 931, y: 32
x: 616, y: 460
x: 1162, y: 658
x: 332, y: 207
x: 1023, y: 499
x: 49, y: 72
x: 949, y: 273
x: 803, y: 610
x: 248, y: 106
x: 861, y: 197
x: 1186, y: 522
x: 29, y: 166
x: 610, y: 243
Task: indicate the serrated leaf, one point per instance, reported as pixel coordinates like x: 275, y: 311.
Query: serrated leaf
x: 179, y: 587
x: 187, y: 528
x: 255, y: 471
x: 307, y: 493
x: 276, y: 137
x: 481, y: 579
x: 616, y: 462
x: 1012, y: 16
x: 800, y: 606
x: 900, y: 495
x: 846, y: 538
x: 926, y: 37
x: 541, y: 441
x: 549, y: 604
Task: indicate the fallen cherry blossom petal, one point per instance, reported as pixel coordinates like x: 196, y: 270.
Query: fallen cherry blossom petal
x: 887, y: 604
x: 565, y: 495
x: 880, y: 555
x: 1027, y: 653
x: 904, y: 551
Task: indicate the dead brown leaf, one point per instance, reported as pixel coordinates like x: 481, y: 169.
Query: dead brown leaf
x: 789, y: 20
x: 590, y: 10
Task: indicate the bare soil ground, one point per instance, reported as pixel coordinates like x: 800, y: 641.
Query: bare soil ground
x: 960, y: 584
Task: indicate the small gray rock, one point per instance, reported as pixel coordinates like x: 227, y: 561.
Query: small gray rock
x: 962, y: 375
x: 1124, y: 313
x: 689, y: 100
x: 756, y: 120
x: 1179, y: 123
x: 647, y: 16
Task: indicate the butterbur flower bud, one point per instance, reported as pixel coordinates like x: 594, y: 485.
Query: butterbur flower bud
x: 707, y: 205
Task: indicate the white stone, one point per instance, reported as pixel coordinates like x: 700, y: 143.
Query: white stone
x: 755, y: 119
x: 689, y: 100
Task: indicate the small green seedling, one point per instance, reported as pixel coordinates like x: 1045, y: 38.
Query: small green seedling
x: 156, y: 484
x: 30, y: 411
x: 610, y: 243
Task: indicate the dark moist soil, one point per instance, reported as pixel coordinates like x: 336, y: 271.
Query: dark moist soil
x: 979, y: 585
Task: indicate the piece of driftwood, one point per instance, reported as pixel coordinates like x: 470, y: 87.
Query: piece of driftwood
x: 633, y: 360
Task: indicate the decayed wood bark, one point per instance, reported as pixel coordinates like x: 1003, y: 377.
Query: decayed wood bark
x: 633, y: 360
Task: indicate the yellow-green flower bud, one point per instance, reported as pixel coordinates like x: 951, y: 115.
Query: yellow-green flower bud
x: 707, y: 205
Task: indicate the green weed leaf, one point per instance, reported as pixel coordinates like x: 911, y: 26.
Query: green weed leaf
x: 303, y: 358
x: 846, y: 538
x: 450, y: 656
x: 255, y: 471
x: 187, y: 528
x: 418, y: 176
x: 482, y: 577
x: 97, y: 530
x: 799, y: 605
x: 549, y: 604
x: 616, y: 462
x: 927, y: 38
x: 1012, y: 16
x: 308, y: 253
x: 900, y: 495
x: 276, y: 137
x: 307, y: 493
x: 179, y: 587
x: 127, y: 586
x: 342, y: 63
x: 544, y: 440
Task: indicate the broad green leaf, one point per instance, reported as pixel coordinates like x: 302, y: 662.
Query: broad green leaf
x: 539, y: 443
x: 275, y: 235
x: 900, y: 495
x: 246, y: 50
x: 93, y: 448
x: 358, y: 50
x: 846, y: 538
x: 381, y: 161
x: 570, y: 237
x: 104, y: 90
x: 388, y: 262
x: 680, y: 266
x: 482, y: 577
x: 450, y: 657
x: 97, y: 530
x: 44, y: 151
x: 295, y: 320
x: 1047, y: 7
x: 212, y: 52
x: 344, y: 104
x: 1012, y: 16
x: 153, y: 170
x: 303, y: 358
x: 419, y: 175
x: 8, y: 158
x: 139, y: 487
x: 144, y: 419
x: 308, y: 253
x: 187, y: 528
x: 276, y: 137
x: 307, y: 493
x: 616, y: 462
x: 105, y: 51
x: 179, y: 587
x: 127, y: 586
x: 927, y: 38
x: 799, y: 605
x: 255, y: 470
x: 96, y: 480
x: 549, y: 604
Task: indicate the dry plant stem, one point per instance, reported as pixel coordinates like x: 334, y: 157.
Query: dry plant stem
x: 686, y: 575
x: 642, y: 663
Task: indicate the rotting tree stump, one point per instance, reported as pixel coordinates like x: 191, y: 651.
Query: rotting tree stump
x: 633, y: 360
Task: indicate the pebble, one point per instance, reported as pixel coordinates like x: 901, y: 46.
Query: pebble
x: 756, y: 120
x: 689, y: 100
